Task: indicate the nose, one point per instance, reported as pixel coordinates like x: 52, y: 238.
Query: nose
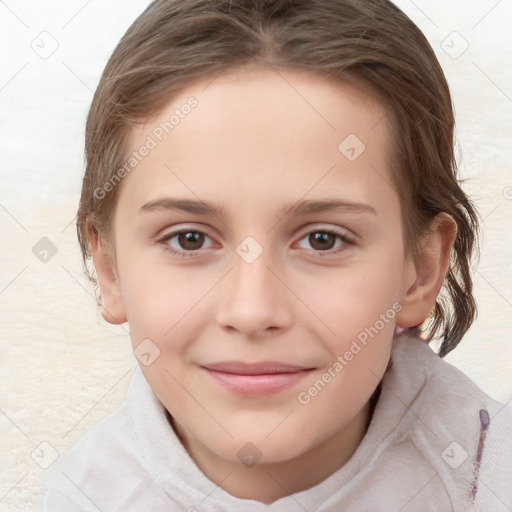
x: 254, y: 302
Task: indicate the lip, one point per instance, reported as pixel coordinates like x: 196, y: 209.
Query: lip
x: 256, y: 379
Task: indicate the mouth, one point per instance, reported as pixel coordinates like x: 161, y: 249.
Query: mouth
x: 255, y: 379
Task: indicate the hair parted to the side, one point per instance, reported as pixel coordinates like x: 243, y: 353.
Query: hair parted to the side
x: 368, y: 42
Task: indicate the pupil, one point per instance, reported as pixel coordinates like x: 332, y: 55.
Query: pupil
x: 322, y: 240
x: 191, y: 240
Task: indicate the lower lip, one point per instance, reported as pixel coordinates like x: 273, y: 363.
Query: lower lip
x: 257, y: 385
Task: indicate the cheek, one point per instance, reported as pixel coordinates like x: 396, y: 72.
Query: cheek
x: 165, y: 307
x: 159, y: 299
x: 353, y: 298
x: 359, y: 308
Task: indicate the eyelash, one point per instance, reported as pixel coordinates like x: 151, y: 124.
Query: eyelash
x: 318, y: 254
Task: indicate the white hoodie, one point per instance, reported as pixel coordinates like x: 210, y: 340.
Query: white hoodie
x: 436, y: 442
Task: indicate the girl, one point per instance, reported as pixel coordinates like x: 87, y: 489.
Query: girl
x: 271, y: 202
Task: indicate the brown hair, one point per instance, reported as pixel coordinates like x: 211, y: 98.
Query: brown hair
x: 370, y: 42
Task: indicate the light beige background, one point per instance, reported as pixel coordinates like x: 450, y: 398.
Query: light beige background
x: 62, y: 367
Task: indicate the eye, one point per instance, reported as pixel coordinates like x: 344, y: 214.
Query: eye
x: 186, y: 241
x: 324, y: 240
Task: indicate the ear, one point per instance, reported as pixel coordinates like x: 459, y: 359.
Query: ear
x: 112, y: 305
x: 423, y: 280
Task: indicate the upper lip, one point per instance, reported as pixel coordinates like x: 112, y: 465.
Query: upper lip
x: 260, y: 368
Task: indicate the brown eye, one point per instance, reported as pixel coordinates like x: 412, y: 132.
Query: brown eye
x: 322, y: 241
x: 191, y: 240
x: 187, y: 243
x: 325, y: 242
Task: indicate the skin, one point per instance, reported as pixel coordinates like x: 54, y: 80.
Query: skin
x: 254, y: 145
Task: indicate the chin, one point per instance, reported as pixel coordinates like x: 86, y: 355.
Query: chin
x: 256, y: 449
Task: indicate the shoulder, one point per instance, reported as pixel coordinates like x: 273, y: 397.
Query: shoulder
x: 460, y: 431
x: 450, y: 396
x: 103, y: 461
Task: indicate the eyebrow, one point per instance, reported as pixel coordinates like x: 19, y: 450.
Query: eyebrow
x: 186, y: 205
x: 302, y: 207
x: 308, y: 207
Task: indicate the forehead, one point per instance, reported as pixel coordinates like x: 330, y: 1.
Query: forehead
x: 267, y: 132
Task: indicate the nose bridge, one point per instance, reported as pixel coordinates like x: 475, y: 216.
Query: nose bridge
x: 253, y: 300
x: 251, y: 280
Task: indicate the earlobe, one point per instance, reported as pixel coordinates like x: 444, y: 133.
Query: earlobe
x: 112, y: 305
x: 423, y: 280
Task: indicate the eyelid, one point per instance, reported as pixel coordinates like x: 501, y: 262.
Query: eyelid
x: 327, y: 228
x: 169, y: 231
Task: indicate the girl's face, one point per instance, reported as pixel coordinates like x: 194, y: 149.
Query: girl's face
x: 261, y: 234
